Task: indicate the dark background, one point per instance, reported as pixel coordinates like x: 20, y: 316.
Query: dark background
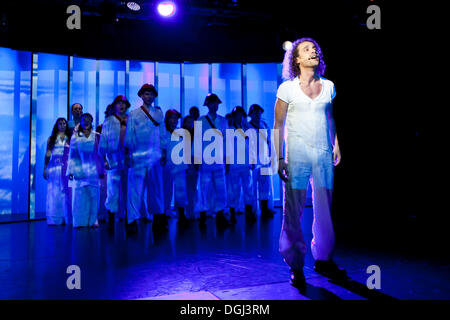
x: 382, y: 187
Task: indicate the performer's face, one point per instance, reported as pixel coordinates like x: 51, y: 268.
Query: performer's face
x: 256, y: 115
x: 62, y: 126
x: 172, y: 122
x: 120, y: 108
x: 86, y: 123
x: 77, y: 110
x: 213, y: 107
x: 148, y: 97
x: 307, y: 55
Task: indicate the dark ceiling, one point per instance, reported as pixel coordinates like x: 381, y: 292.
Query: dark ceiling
x: 201, y: 30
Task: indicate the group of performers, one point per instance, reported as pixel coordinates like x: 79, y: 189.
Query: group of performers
x: 131, y: 152
x: 129, y: 156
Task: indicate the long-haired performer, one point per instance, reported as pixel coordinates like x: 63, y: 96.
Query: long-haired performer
x: 58, y: 195
x: 304, y: 103
x: 111, y: 147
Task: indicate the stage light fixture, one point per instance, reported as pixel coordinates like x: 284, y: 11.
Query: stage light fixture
x: 287, y: 45
x: 166, y: 8
x: 133, y: 6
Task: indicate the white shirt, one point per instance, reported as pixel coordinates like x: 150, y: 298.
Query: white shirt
x: 109, y: 145
x: 83, y: 160
x: 143, y: 139
x: 221, y: 124
x: 307, y: 118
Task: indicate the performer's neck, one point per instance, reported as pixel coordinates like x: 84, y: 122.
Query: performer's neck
x: 308, y: 75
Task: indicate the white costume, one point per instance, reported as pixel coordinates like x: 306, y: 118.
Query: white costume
x: 239, y: 177
x: 213, y: 195
x: 111, y: 147
x: 144, y: 141
x: 310, y: 135
x: 174, y: 176
x: 58, y: 194
x: 84, y: 165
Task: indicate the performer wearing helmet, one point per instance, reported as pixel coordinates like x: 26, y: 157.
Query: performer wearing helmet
x: 145, y: 148
x: 304, y: 102
x: 212, y: 175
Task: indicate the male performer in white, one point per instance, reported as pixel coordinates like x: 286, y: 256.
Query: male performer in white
x: 212, y: 175
x: 304, y: 102
x: 146, y: 150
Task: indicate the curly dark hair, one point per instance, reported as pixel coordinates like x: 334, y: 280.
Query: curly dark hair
x: 52, y: 139
x: 291, y: 68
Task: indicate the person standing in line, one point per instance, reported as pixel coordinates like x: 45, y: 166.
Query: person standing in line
x: 144, y: 149
x: 84, y: 170
x: 174, y: 175
x: 111, y: 148
x: 262, y: 183
x: 304, y: 103
x: 191, y: 172
x: 58, y: 195
x: 240, y: 173
x: 102, y: 211
x: 212, y: 176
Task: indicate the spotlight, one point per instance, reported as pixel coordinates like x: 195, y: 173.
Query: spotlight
x: 287, y: 45
x: 166, y: 8
x: 133, y: 6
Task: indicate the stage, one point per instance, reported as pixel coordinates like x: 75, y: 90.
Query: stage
x: 239, y: 263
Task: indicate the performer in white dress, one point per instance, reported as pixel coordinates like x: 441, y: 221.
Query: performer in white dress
x: 58, y: 193
x: 84, y: 170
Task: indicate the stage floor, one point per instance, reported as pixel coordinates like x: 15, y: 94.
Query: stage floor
x: 240, y: 263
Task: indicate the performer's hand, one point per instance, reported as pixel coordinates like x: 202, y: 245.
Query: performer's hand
x: 283, y: 170
x: 336, y: 155
x: 71, y: 177
x: 45, y: 174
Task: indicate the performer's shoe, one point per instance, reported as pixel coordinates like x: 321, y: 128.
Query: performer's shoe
x: 111, y: 220
x: 159, y: 223
x: 329, y: 269
x: 233, y: 216
x: 221, y: 220
x: 298, y: 280
x: 266, y: 213
x: 132, y: 227
x: 182, y: 220
x: 249, y: 214
x: 202, y: 220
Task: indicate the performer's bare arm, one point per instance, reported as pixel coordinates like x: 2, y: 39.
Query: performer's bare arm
x: 280, y: 119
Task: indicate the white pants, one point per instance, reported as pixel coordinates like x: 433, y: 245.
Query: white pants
x: 191, y: 191
x: 85, y: 206
x: 317, y: 166
x: 116, y: 198
x: 174, y: 179
x: 147, y: 179
x: 240, y: 181
x: 213, y: 190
